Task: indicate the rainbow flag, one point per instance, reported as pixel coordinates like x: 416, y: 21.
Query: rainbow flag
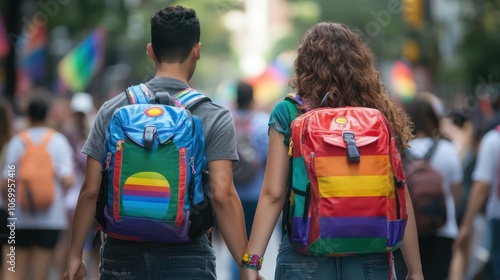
x: 4, y: 40
x: 33, y: 54
x: 403, y: 82
x: 78, y: 67
x: 271, y: 84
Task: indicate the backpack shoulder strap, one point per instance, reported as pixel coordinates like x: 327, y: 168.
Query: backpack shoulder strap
x: 295, y: 99
x: 46, y: 138
x: 139, y: 94
x: 431, y: 150
x: 190, y: 98
x: 25, y: 137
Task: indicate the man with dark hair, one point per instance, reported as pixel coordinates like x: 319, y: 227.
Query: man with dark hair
x: 39, y: 167
x: 175, y: 49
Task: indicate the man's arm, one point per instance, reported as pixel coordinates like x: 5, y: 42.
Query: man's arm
x: 227, y: 207
x: 84, y: 216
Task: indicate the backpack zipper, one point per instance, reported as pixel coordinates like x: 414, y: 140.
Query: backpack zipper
x: 191, y: 163
x: 108, y: 160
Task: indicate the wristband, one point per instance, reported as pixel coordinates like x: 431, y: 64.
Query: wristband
x: 252, y: 261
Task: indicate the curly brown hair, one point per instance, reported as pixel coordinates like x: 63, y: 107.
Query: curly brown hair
x: 333, y: 58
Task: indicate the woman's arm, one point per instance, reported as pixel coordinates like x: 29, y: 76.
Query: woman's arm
x: 409, y: 248
x: 271, y: 201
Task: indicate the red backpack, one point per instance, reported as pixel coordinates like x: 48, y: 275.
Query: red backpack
x: 347, y: 191
x: 425, y: 185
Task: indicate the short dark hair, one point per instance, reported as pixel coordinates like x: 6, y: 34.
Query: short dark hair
x: 244, y: 95
x: 37, y: 109
x: 174, y: 32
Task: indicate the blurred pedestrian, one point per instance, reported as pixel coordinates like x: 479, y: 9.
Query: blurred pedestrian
x: 443, y: 157
x: 252, y: 142
x: 331, y: 59
x: 40, y: 162
x: 175, y: 50
x: 485, y: 192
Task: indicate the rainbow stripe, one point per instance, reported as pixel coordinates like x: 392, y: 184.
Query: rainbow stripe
x: 78, y: 67
x: 146, y: 194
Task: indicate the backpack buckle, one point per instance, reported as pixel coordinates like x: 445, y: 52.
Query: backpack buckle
x: 149, y: 135
x: 352, y: 149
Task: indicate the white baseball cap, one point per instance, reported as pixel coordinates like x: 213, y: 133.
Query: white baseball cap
x: 82, y: 102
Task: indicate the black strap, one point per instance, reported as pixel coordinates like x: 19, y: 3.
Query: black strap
x: 431, y: 151
x: 286, y: 208
x: 163, y: 97
x: 408, y: 157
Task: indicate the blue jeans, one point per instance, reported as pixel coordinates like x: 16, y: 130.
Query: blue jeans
x: 122, y: 259
x: 292, y: 265
x: 495, y: 247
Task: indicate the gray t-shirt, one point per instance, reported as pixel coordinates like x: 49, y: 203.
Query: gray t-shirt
x: 218, y: 124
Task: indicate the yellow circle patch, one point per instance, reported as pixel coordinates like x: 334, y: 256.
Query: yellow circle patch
x: 341, y: 120
x: 154, y: 111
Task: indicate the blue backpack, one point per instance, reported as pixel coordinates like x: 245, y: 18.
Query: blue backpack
x: 155, y: 185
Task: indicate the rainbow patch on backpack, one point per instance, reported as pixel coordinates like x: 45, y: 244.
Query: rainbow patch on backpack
x: 143, y: 195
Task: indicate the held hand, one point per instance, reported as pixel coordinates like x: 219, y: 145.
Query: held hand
x: 75, y: 270
x: 249, y: 274
x: 462, y: 242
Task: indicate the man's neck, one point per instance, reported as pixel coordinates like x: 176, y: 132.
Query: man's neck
x: 174, y: 71
x: 38, y: 124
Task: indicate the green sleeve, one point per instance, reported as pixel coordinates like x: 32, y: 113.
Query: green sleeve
x: 281, y: 117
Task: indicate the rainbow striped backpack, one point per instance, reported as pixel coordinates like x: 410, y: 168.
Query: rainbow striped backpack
x: 154, y: 185
x: 347, y: 186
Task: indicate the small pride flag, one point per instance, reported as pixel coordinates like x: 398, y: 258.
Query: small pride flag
x: 33, y: 54
x: 4, y: 40
x: 78, y: 67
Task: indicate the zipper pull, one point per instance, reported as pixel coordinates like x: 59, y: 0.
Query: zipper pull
x: 311, y: 155
x: 108, y: 160
x: 290, y: 148
x: 191, y: 162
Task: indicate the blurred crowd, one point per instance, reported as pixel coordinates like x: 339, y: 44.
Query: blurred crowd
x: 460, y: 123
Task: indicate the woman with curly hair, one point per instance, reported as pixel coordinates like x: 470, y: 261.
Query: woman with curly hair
x: 331, y: 58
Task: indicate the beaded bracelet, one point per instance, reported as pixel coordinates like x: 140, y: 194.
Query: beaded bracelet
x: 252, y: 261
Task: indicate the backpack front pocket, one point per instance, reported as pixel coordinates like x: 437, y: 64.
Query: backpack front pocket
x: 150, y: 182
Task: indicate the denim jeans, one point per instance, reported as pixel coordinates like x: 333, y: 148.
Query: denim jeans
x: 495, y: 247
x: 122, y: 259
x: 293, y: 265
